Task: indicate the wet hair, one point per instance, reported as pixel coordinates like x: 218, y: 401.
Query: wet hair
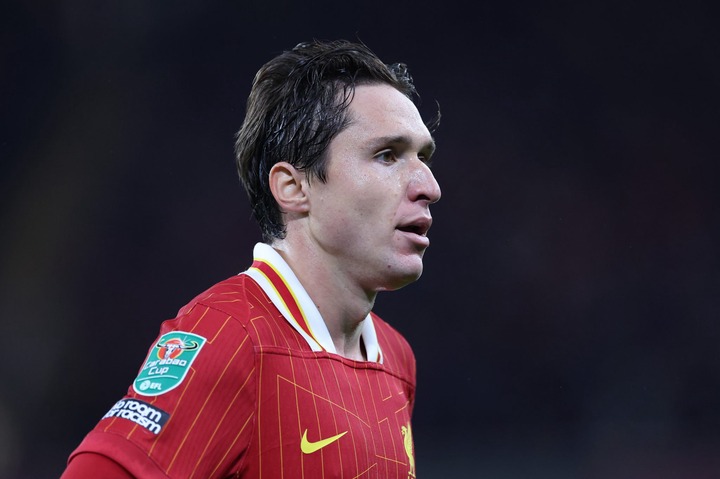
x: 297, y: 105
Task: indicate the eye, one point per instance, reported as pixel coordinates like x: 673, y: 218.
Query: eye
x: 386, y: 156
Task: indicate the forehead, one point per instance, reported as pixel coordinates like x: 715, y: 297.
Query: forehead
x: 382, y: 111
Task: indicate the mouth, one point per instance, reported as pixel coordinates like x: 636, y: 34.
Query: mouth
x: 415, y: 229
x: 418, y: 227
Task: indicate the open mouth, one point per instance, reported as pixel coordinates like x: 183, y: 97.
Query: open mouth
x: 416, y: 229
x: 419, y: 226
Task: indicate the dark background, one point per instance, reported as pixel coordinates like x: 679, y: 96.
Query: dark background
x: 566, y: 325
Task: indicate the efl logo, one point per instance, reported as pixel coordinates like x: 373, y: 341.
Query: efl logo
x: 167, y: 368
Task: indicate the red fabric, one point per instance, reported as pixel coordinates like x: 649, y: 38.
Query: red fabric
x: 256, y: 388
x: 93, y: 466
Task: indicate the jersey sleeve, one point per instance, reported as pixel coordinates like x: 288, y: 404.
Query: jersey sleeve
x: 92, y: 466
x: 190, y: 412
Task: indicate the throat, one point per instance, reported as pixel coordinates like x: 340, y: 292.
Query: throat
x: 354, y: 350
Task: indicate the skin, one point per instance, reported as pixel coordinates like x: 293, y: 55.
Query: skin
x: 364, y: 229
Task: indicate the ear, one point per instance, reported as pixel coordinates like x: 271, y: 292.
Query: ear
x: 287, y: 185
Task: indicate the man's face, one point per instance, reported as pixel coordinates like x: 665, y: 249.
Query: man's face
x: 372, y: 214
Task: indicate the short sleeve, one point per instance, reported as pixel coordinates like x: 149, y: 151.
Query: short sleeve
x: 190, y: 411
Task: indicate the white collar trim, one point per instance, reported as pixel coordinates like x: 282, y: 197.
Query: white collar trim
x: 278, y: 281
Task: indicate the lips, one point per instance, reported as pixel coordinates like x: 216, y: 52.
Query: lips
x: 418, y: 226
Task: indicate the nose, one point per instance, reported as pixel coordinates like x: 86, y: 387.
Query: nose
x: 423, y: 186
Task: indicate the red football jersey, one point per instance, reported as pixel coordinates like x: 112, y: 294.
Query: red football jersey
x: 245, y: 382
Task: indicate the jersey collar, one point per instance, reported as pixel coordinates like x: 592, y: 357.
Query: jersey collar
x: 270, y: 271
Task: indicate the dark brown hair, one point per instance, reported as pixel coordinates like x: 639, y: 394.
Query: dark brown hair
x: 297, y: 105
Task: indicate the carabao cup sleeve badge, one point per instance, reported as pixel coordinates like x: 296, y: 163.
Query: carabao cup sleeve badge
x: 168, y: 363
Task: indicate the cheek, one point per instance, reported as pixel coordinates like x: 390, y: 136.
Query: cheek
x: 376, y: 202
x: 361, y: 204
x: 359, y: 221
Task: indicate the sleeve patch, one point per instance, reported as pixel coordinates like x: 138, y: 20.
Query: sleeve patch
x: 168, y: 363
x: 141, y: 413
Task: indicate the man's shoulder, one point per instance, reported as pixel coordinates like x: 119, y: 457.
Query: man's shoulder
x: 396, y: 350
x: 236, y: 296
x: 388, y: 333
x: 238, y: 301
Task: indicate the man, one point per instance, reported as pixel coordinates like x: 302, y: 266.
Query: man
x: 283, y: 370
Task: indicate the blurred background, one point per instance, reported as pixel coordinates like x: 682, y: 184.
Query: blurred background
x: 567, y: 324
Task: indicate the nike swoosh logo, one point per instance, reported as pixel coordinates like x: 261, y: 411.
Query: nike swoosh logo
x: 309, y: 447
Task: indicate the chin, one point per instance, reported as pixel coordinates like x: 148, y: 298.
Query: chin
x: 402, y: 278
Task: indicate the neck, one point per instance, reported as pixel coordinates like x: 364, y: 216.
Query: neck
x: 342, y: 304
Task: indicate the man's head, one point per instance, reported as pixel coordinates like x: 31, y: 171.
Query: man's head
x: 298, y: 104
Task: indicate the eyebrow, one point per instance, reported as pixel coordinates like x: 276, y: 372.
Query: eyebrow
x: 428, y: 148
